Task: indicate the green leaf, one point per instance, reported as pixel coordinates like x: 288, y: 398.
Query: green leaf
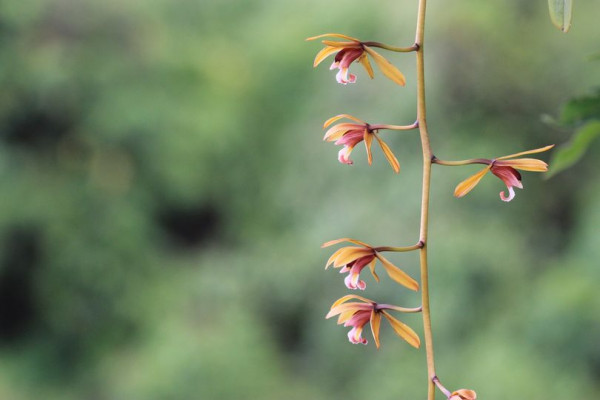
x: 569, y: 153
x: 561, y: 13
x: 581, y: 109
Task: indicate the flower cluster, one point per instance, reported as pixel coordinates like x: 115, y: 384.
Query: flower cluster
x: 352, y: 259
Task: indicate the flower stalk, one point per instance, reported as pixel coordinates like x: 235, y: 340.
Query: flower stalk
x: 353, y: 258
x: 412, y: 48
x: 427, y: 157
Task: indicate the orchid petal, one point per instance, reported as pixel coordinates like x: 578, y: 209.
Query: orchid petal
x: 468, y: 184
x: 386, y: 67
x: 375, y: 324
x: 337, y: 241
x: 525, y: 164
x: 348, y: 306
x: 336, y: 131
x: 372, y: 268
x: 337, y: 35
x: 389, y: 155
x: 324, y: 53
x: 368, y: 138
x: 511, y: 195
x: 342, y: 45
x: 364, y: 60
x: 345, y: 316
x: 350, y: 297
x: 403, y: 330
x: 333, y: 257
x: 350, y: 254
x: 340, y: 116
x: 534, y: 151
x: 397, y: 274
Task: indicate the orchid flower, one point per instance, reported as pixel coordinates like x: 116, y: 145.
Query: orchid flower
x: 350, y: 134
x: 350, y: 50
x: 353, y: 259
x: 505, y: 168
x: 358, y: 314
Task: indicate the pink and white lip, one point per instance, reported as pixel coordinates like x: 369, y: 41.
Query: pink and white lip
x: 342, y: 61
x: 511, y: 178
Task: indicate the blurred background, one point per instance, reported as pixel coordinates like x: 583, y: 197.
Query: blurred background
x: 165, y: 191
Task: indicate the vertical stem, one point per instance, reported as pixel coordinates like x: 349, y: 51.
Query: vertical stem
x: 421, y: 117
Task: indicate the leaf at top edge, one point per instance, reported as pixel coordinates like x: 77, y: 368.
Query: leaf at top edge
x: 571, y: 152
x: 561, y: 13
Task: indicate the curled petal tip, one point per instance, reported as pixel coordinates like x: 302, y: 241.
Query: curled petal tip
x: 511, y: 195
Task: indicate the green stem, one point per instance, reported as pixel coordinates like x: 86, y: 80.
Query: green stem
x: 414, y: 47
x: 427, y: 157
x: 401, y: 309
x: 394, y: 127
x: 441, y: 387
x: 435, y: 160
x: 399, y: 249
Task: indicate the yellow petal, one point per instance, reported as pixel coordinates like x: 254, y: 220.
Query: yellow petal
x: 368, y: 140
x: 397, y: 274
x: 526, y: 164
x: 364, y: 60
x: 336, y: 241
x: 345, y: 316
x: 342, y: 45
x: 375, y: 323
x: 387, y: 152
x: 324, y: 53
x: 337, y: 131
x: 346, y: 307
x: 386, y: 67
x: 404, y: 331
x: 468, y: 184
x: 350, y: 254
x: 540, y: 150
x: 349, y: 297
x: 340, y: 116
x: 337, y: 35
x: 372, y: 268
x: 333, y: 257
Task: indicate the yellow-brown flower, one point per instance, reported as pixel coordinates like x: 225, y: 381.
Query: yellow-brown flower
x: 506, y: 169
x: 352, y: 259
x: 350, y: 50
x: 358, y: 314
x: 350, y: 134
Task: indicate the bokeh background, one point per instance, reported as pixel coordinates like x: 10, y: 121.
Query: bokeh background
x: 165, y: 191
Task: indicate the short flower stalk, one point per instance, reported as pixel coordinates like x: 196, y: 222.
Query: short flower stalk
x: 354, y: 256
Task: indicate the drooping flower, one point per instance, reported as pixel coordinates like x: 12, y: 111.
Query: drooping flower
x: 353, y: 259
x: 350, y: 50
x: 463, y: 394
x: 358, y: 314
x: 350, y: 134
x: 505, y: 168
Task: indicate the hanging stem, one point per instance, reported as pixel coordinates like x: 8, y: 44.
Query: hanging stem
x: 427, y: 156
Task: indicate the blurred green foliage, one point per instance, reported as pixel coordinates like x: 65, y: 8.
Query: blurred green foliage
x: 165, y: 193
x: 582, y: 113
